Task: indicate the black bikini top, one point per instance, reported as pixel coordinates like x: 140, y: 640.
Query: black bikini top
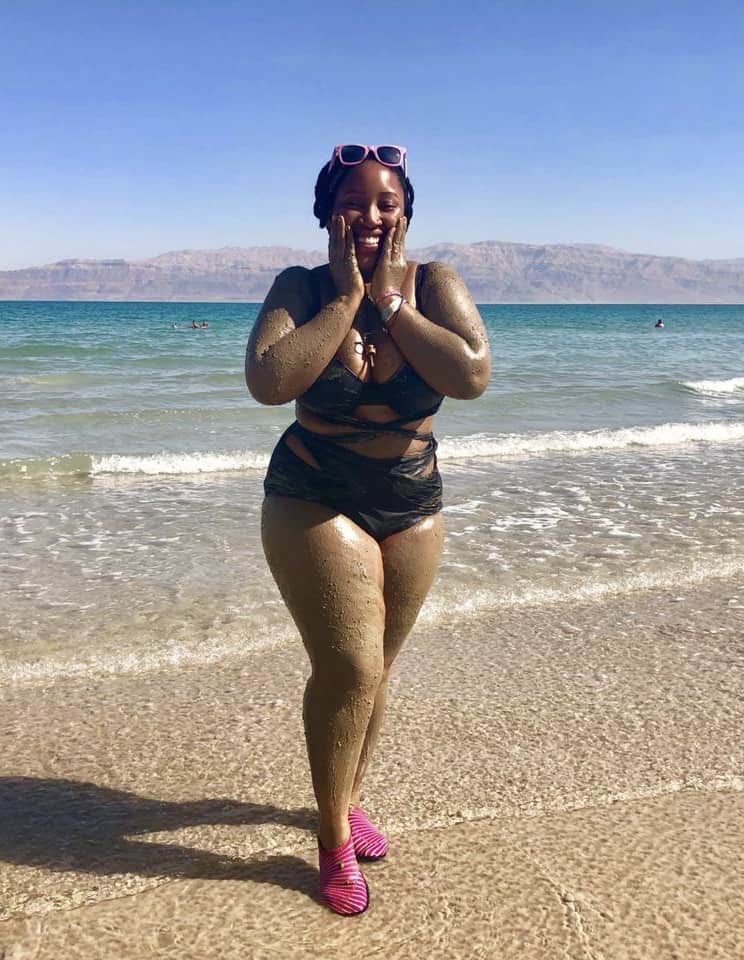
x: 337, y: 392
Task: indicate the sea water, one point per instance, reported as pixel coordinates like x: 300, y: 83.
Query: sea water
x: 605, y: 457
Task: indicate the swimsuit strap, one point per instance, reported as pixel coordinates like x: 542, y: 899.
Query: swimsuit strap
x: 367, y: 429
x: 317, y: 304
x: 419, y: 278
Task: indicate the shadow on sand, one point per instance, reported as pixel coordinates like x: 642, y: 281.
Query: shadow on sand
x: 70, y: 825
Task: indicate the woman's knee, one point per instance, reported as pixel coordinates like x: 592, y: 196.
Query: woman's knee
x: 356, y: 668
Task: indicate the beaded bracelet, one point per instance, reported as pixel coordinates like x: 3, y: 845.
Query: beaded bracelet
x: 390, y: 292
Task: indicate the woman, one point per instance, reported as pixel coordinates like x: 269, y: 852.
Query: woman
x: 367, y: 345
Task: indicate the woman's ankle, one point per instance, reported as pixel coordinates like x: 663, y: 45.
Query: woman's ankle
x: 334, y: 834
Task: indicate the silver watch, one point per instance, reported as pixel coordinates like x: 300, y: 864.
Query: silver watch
x: 392, y: 308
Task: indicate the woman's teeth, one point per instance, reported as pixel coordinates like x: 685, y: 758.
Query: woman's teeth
x: 370, y: 242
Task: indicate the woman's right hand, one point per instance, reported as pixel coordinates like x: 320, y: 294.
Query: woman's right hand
x: 343, y: 262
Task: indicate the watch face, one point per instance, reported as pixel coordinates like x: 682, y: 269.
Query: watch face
x: 392, y: 308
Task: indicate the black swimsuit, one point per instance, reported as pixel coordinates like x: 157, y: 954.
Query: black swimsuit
x: 383, y: 496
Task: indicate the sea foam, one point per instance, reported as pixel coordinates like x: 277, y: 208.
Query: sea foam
x: 179, y: 463
x: 716, y: 388
x: 473, y: 446
x: 518, y: 445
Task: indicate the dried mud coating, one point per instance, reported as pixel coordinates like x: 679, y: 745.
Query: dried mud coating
x: 354, y: 601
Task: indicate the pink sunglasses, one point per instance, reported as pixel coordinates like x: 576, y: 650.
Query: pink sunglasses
x: 351, y: 154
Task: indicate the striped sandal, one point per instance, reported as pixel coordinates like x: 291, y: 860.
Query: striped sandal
x: 342, y: 885
x: 369, y: 843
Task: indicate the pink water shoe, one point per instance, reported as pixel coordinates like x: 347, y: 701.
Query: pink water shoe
x: 342, y: 885
x: 369, y: 843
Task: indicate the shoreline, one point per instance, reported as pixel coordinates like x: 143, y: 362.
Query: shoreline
x: 150, y: 653
x: 590, y: 728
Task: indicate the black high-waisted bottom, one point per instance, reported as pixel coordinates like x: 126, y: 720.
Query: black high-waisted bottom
x: 382, y: 496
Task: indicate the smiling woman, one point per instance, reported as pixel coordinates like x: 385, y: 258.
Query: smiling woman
x: 368, y: 346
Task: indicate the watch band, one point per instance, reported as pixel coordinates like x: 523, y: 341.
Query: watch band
x: 389, y: 311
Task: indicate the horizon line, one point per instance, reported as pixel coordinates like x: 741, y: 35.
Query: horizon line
x: 305, y: 250
x: 479, y: 303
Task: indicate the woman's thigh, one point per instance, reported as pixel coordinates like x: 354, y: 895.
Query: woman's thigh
x: 330, y: 574
x: 410, y: 560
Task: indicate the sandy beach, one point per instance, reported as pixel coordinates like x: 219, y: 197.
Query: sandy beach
x: 558, y: 781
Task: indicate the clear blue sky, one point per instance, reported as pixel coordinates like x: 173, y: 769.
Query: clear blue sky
x: 132, y: 128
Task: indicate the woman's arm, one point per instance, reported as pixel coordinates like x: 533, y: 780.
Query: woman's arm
x: 444, y: 340
x: 287, y: 352
x: 289, y: 348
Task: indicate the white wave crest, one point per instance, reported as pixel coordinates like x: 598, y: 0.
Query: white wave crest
x: 178, y: 463
x: 473, y: 446
x: 588, y: 441
x: 716, y: 388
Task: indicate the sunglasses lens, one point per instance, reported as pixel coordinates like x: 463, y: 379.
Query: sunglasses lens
x: 353, y: 153
x: 390, y: 155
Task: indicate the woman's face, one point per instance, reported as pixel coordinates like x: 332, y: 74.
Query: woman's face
x: 371, y: 201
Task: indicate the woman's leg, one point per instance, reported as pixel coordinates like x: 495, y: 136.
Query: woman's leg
x: 330, y: 574
x: 410, y: 560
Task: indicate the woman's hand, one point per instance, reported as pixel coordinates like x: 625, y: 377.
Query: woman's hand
x: 391, y: 266
x: 343, y: 262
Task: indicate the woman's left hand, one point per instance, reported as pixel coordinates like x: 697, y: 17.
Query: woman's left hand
x: 391, y: 267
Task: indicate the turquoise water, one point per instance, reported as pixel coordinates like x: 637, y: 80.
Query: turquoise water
x: 117, y: 379
x: 604, y: 457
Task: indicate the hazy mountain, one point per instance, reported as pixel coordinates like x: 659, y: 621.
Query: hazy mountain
x: 496, y: 272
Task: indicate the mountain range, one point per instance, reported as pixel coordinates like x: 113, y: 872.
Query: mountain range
x: 495, y: 272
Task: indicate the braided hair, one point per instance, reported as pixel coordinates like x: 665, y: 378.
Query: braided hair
x: 328, y: 182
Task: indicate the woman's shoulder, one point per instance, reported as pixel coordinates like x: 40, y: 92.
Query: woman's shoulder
x: 302, y: 278
x: 434, y: 275
x: 298, y: 289
x: 437, y: 268
x: 296, y: 275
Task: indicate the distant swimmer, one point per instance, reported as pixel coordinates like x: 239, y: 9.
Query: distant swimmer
x: 659, y: 325
x: 195, y: 325
x: 204, y: 325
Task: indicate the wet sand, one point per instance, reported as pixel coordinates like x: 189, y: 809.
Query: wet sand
x: 557, y: 781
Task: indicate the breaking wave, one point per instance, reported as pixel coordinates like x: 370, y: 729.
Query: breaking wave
x: 716, y: 388
x: 473, y: 446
